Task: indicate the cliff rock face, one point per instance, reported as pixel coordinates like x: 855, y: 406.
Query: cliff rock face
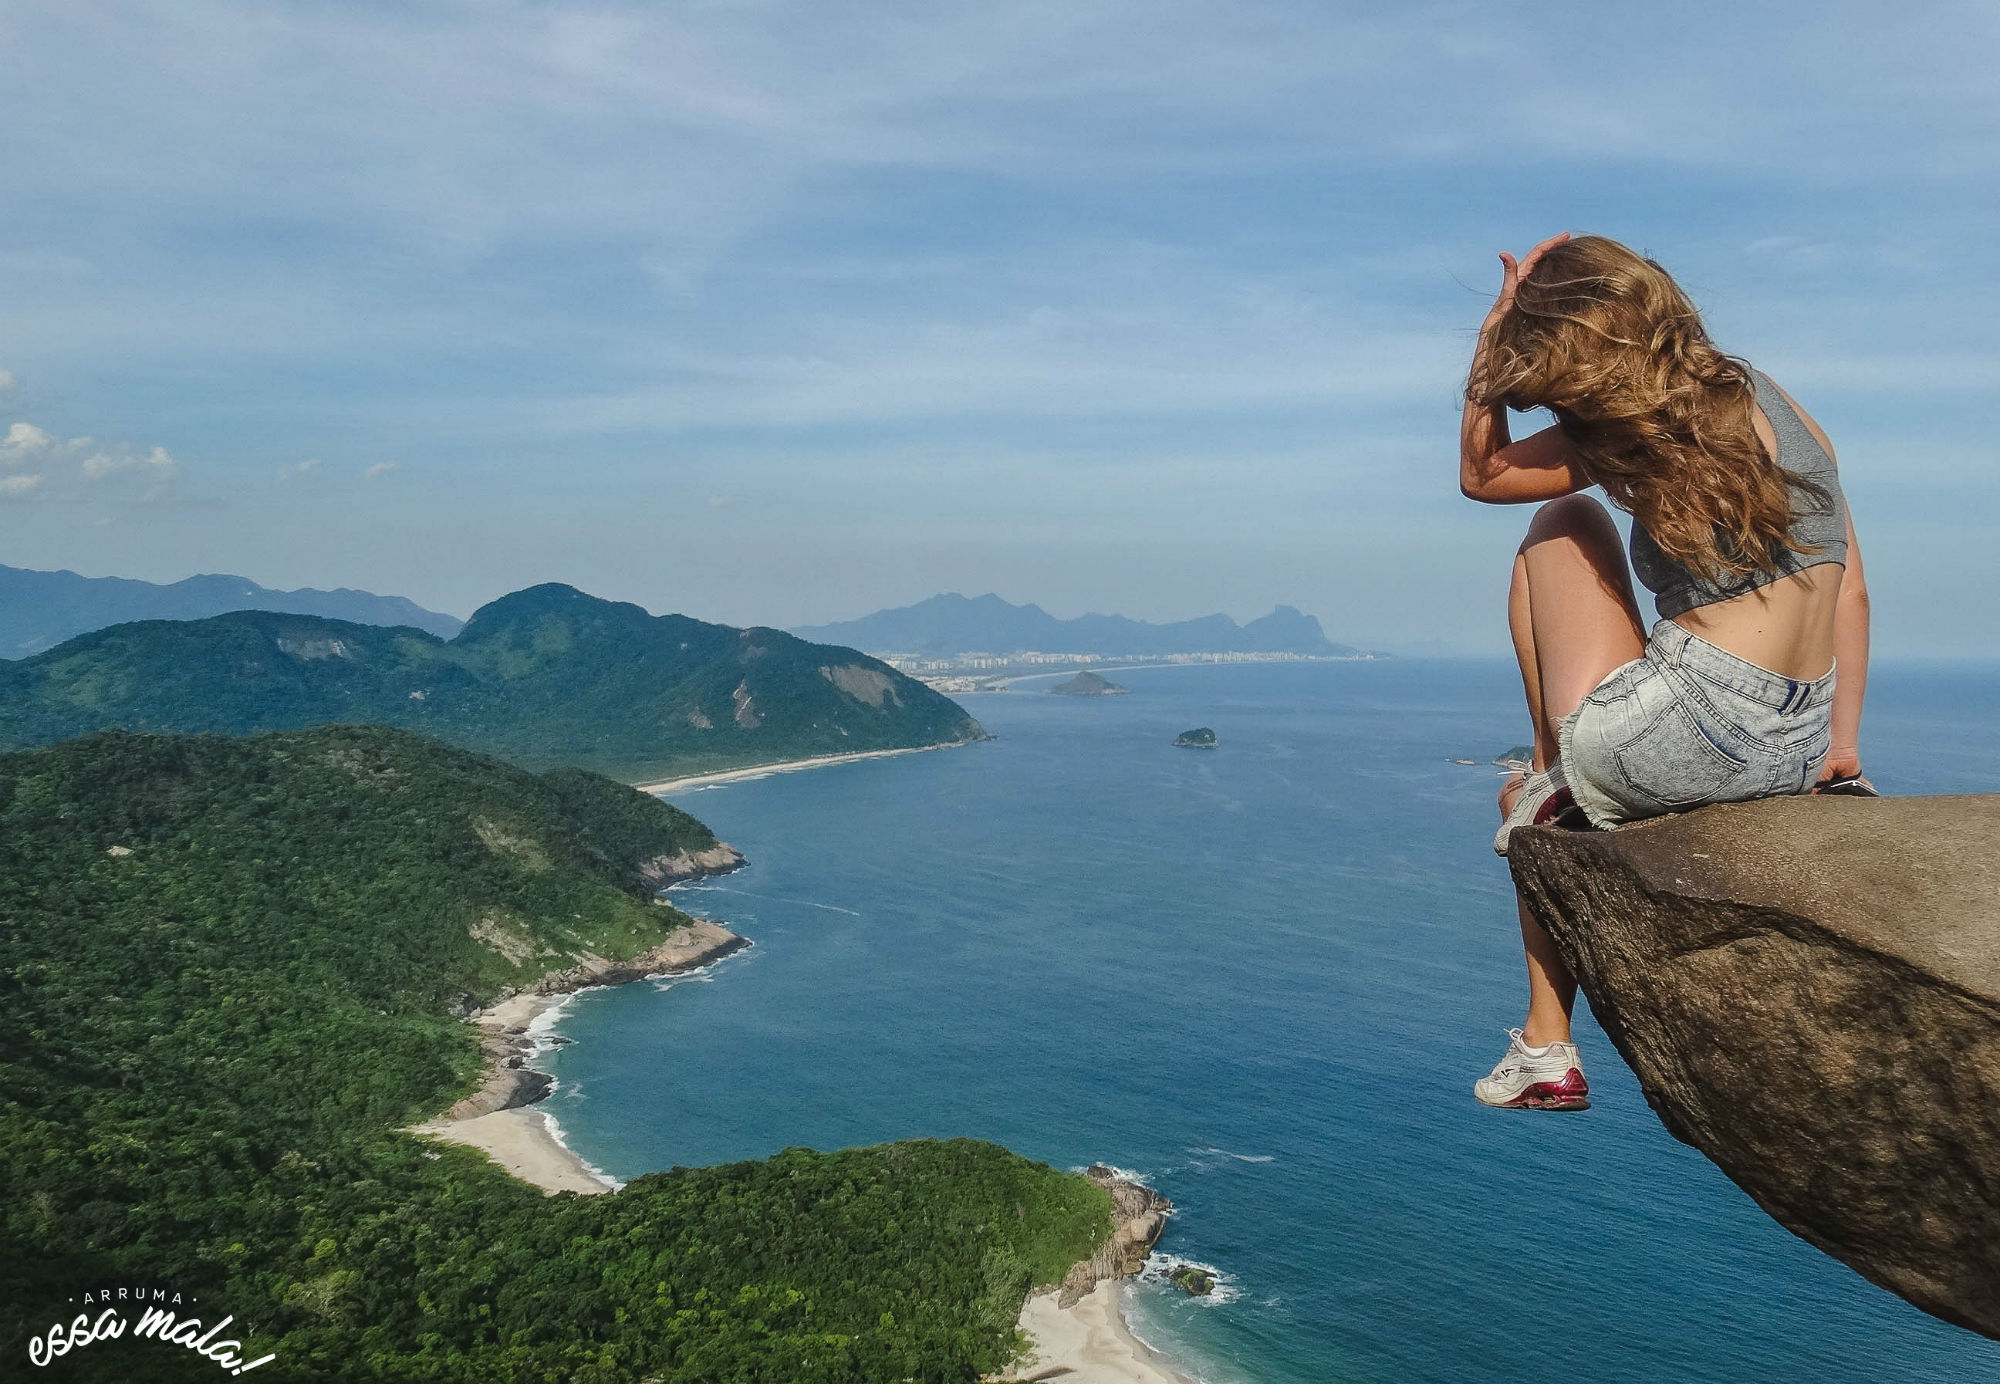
x: 1138, y: 1215
x: 1809, y: 991
x: 718, y: 859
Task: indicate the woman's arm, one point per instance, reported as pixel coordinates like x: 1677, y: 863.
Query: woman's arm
x: 1496, y: 471
x: 1492, y: 467
x: 1850, y: 656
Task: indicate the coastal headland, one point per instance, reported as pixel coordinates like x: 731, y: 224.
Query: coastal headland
x: 358, y: 893
x: 1074, y: 1330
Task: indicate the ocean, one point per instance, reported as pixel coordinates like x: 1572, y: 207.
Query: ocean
x: 1263, y: 978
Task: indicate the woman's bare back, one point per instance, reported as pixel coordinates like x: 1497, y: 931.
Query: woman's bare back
x: 1786, y: 626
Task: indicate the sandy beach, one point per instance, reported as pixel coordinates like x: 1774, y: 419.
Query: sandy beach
x: 1088, y: 1343
x: 500, y: 1119
x: 521, y: 1141
x: 785, y: 766
x: 518, y: 1137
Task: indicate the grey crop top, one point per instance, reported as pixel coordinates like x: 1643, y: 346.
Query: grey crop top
x: 1814, y: 523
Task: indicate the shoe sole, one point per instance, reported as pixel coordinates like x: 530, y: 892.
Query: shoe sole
x: 1568, y: 1094
x: 1554, y: 808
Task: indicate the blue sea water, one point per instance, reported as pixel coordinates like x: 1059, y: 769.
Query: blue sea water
x: 1264, y: 978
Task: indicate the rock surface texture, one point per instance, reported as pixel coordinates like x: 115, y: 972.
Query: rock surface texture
x: 1809, y: 992
x: 718, y: 859
x: 1138, y: 1215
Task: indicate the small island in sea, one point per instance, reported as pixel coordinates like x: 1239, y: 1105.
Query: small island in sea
x: 1088, y: 685
x: 1200, y: 738
x: 1520, y: 757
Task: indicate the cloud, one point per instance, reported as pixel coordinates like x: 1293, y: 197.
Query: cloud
x: 6, y: 380
x: 381, y: 469
x: 298, y: 469
x: 116, y: 461
x: 23, y: 443
x: 80, y: 467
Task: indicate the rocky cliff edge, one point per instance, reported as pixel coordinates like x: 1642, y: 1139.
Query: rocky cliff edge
x: 1809, y: 992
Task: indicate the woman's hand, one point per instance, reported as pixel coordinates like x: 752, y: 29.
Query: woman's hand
x: 1842, y: 776
x: 1512, y: 272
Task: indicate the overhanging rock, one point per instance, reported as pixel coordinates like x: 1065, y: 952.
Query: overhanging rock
x: 1809, y: 992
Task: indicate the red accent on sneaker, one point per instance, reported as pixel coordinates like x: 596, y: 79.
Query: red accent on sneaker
x: 1559, y: 802
x: 1571, y: 1093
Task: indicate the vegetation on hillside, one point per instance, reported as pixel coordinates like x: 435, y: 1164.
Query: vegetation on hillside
x: 228, y: 970
x: 543, y: 677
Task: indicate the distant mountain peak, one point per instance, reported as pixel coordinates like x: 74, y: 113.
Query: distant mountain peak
x: 39, y: 610
x: 951, y: 624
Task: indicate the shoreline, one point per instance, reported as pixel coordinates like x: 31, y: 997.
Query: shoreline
x: 786, y: 766
x: 1007, y: 680
x: 502, y: 1119
x: 1076, y: 1330
x: 1088, y: 1343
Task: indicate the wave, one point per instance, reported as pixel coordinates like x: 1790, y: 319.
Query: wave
x: 701, y: 975
x: 541, y: 1030
x: 556, y: 1133
x: 1239, y: 1157
x: 1169, y: 1355
x: 779, y: 898
x: 1123, y: 1174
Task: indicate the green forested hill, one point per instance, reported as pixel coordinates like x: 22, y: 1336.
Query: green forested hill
x: 227, y: 973
x: 545, y: 676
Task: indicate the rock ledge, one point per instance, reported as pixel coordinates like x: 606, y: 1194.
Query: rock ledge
x: 1809, y: 992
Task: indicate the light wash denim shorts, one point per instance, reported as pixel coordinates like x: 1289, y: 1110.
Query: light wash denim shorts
x: 1690, y: 724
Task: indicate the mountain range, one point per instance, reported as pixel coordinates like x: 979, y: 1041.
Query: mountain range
x: 39, y: 610
x: 542, y: 677
x: 949, y: 625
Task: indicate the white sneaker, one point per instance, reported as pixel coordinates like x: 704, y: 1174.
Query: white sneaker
x: 1545, y: 796
x: 1549, y: 1078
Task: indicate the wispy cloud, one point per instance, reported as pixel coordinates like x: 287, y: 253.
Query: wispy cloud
x: 381, y: 469
x: 844, y: 241
x: 39, y: 465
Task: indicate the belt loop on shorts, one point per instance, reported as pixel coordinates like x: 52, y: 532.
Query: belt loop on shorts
x: 1794, y: 691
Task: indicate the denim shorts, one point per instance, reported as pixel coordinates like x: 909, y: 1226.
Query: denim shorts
x: 1690, y: 724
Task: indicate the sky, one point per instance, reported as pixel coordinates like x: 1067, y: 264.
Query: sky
x: 779, y: 313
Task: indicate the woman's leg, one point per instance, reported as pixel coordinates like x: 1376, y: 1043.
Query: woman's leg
x: 1574, y: 620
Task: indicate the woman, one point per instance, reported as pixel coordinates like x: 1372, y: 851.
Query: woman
x: 1740, y: 531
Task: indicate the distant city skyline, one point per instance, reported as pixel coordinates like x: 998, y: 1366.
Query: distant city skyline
x: 781, y: 314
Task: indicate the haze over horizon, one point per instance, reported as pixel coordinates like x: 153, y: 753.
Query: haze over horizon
x: 777, y: 315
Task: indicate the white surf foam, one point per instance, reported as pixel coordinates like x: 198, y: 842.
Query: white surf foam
x: 1160, y: 1263
x: 597, y: 1174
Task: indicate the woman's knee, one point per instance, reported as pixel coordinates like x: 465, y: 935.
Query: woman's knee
x: 1581, y: 518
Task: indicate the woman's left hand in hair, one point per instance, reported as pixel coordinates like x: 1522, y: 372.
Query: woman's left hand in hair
x: 1512, y: 272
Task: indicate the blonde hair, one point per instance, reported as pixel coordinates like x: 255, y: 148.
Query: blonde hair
x: 1606, y: 341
